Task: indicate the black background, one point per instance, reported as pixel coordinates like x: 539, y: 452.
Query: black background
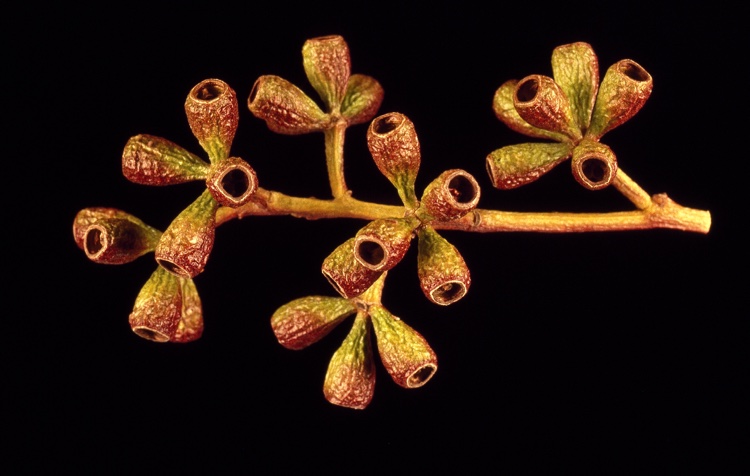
x: 600, y: 353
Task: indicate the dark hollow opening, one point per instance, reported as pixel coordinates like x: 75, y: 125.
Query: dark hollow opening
x: 254, y: 91
x: 173, y: 268
x: 94, y: 241
x: 421, y: 376
x: 386, y: 124
x: 527, y: 90
x: 634, y: 72
x: 462, y: 189
x: 595, y: 170
x: 150, y: 334
x: 448, y: 292
x: 371, y: 252
x: 235, y: 183
x: 209, y: 90
x: 334, y: 283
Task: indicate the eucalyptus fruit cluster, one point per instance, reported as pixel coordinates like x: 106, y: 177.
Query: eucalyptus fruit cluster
x: 571, y: 110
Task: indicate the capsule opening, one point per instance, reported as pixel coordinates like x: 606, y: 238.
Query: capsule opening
x: 421, y: 376
x: 463, y: 189
x: 209, y: 90
x: 150, y: 334
x: 634, y: 71
x: 94, y: 241
x: 448, y: 293
x: 387, y: 123
x: 370, y: 253
x: 173, y: 268
x: 594, y: 172
x: 527, y: 89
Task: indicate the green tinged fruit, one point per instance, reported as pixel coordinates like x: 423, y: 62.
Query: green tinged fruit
x: 187, y: 242
x: 443, y: 274
x: 306, y: 320
x: 575, y: 68
x: 350, y: 378
x: 152, y: 160
x: 327, y: 66
x: 515, y: 165
x: 406, y: 355
x: 570, y: 108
